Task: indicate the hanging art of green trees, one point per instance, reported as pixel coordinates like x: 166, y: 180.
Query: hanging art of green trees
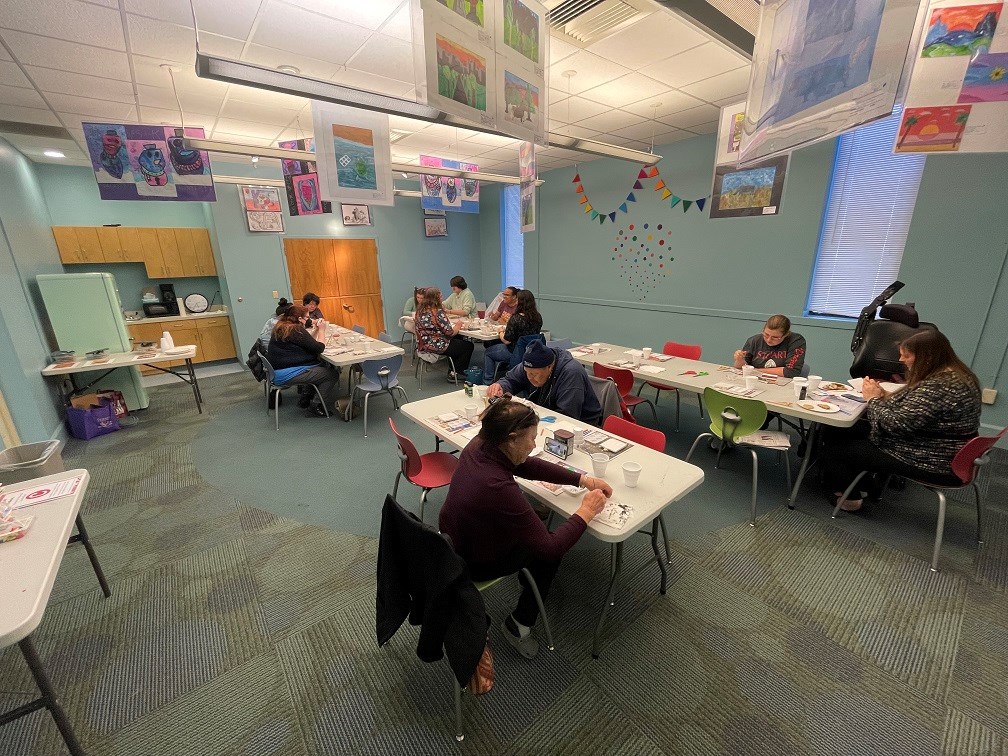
x: 461, y: 74
x: 521, y: 29
x: 470, y: 9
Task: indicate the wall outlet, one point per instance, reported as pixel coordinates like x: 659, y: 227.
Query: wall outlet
x: 988, y: 396
x: 276, y: 294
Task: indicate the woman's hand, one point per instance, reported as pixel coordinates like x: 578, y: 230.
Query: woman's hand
x: 457, y: 327
x: 872, y: 389
x: 739, y: 358
x: 592, y: 503
x: 596, y: 484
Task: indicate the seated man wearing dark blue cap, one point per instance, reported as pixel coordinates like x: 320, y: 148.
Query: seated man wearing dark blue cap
x: 552, y: 378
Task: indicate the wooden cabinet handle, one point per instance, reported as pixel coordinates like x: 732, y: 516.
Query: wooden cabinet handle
x: 348, y: 308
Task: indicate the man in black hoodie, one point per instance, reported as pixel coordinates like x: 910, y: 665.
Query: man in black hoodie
x: 552, y: 378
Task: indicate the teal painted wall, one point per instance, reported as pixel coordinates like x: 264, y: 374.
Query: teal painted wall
x: 728, y: 275
x: 26, y: 249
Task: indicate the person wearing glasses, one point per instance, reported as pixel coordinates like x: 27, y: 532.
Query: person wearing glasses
x: 552, y: 378
x: 777, y: 350
x: 491, y: 524
x: 504, y: 305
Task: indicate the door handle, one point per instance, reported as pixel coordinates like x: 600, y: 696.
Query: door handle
x: 348, y: 308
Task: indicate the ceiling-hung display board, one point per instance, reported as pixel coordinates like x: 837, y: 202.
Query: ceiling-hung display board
x: 447, y: 192
x: 301, y: 181
x: 354, y: 154
x: 957, y: 100
x: 485, y: 62
x: 823, y: 67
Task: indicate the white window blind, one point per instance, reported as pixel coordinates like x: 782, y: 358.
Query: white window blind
x: 867, y: 217
x: 512, y: 241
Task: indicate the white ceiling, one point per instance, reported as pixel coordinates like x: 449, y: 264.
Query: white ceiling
x: 67, y: 61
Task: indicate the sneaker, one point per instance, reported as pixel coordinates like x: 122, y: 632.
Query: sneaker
x: 452, y: 376
x: 316, y: 411
x: 527, y: 646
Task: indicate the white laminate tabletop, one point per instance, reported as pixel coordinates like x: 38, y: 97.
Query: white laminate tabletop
x: 346, y: 347
x: 778, y: 398
x: 663, y: 480
x: 29, y: 564
x: 121, y: 359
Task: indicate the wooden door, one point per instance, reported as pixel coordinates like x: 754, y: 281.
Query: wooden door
x: 216, y: 342
x: 170, y: 253
x: 204, y: 252
x: 151, y: 249
x: 111, y: 247
x: 311, y: 267
x: 187, y: 252
x: 365, y: 310
x: 356, y: 266
x: 66, y: 243
x: 90, y: 247
x: 130, y: 245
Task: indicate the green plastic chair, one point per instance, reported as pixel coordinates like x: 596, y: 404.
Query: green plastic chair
x: 732, y: 418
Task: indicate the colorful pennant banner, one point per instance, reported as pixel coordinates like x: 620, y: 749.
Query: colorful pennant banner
x: 646, y: 172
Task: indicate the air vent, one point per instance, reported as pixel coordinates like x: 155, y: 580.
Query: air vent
x: 583, y: 22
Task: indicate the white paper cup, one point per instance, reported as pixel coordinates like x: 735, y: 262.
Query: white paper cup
x: 813, y: 382
x: 751, y: 381
x: 748, y: 370
x: 647, y: 353
x: 599, y: 464
x: 798, y: 384
x: 472, y: 412
x: 631, y: 473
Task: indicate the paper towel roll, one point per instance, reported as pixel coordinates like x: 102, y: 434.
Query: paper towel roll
x: 167, y: 338
x: 181, y: 306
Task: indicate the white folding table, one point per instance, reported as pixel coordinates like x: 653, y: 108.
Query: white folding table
x: 29, y: 566
x: 663, y: 480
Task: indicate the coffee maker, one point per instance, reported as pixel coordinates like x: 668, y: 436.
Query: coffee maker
x: 167, y: 306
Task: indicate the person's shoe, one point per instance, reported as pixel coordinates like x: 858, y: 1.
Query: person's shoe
x: 304, y: 402
x: 275, y: 398
x: 315, y: 411
x: 452, y: 376
x: 526, y: 645
x: 851, y: 505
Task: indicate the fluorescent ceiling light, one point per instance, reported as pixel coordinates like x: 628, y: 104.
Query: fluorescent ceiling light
x: 261, y: 77
x: 54, y: 154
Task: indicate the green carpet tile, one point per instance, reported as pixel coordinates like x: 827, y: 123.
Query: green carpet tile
x: 242, y: 564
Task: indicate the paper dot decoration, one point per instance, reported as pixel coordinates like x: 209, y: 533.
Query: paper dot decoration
x: 643, y: 261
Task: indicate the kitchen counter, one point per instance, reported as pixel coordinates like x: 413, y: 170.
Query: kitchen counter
x: 215, y: 313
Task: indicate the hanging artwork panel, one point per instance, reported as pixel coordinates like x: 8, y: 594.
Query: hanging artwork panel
x: 447, y: 193
x: 752, y: 190
x: 729, y: 134
x: 301, y: 181
x: 138, y: 162
x: 263, y: 211
x: 957, y: 99
x: 354, y: 154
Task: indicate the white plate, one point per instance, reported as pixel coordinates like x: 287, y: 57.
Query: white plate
x: 826, y: 408
x: 179, y: 349
x: 834, y: 386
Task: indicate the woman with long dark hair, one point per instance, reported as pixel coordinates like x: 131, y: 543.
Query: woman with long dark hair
x: 294, y: 354
x: 491, y: 524
x: 437, y: 335
x: 913, y: 432
x: 525, y: 321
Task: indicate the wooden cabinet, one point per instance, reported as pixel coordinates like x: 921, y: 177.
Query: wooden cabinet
x: 166, y: 252
x: 66, y: 243
x: 186, y: 252
x: 212, y: 337
x: 108, y: 240
x: 216, y: 342
x: 130, y: 244
x: 90, y: 246
x: 170, y: 253
x: 204, y: 252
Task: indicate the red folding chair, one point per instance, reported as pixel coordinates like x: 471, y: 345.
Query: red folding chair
x: 427, y: 471
x: 687, y: 352
x: 966, y: 465
x: 624, y: 380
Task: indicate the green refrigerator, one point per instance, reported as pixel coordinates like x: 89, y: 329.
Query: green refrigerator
x: 86, y: 314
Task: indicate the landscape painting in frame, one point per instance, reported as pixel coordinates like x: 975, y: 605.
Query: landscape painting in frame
x: 355, y: 157
x: 986, y: 79
x: 961, y: 30
x: 521, y: 102
x: 470, y: 10
x: 754, y: 190
x: 522, y: 29
x: 462, y: 74
x: 138, y: 162
x: 932, y: 129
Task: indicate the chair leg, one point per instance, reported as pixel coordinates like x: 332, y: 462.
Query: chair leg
x: 395, y: 488
x: 848, y: 492
x: 676, y: 409
x: 720, y: 450
x: 423, y: 500
x: 367, y: 395
x: 939, y: 531
x: 459, y: 735
x: 542, y: 609
x: 276, y: 410
x: 976, y: 495
x: 654, y: 412
x: 321, y: 400
x: 787, y: 467
x: 700, y: 400
x: 695, y: 443
x: 755, y: 481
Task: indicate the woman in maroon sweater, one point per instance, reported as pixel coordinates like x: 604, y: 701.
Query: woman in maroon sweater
x: 492, y: 525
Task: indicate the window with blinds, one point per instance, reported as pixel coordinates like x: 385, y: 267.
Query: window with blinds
x: 512, y: 241
x: 867, y: 217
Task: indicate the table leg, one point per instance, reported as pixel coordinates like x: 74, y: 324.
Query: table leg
x: 810, y: 449
x: 195, y: 385
x: 49, y: 696
x: 658, y: 557
x: 617, y: 563
x: 82, y: 536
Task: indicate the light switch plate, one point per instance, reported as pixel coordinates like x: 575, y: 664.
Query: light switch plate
x: 276, y: 294
x: 988, y: 395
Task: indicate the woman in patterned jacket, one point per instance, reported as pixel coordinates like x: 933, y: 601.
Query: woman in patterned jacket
x: 913, y: 432
x: 436, y: 334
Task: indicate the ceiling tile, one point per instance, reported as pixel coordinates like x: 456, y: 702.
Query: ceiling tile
x: 644, y: 132
x: 675, y: 136
x: 653, y: 38
x: 730, y: 84
x: 575, y: 110
x: 693, y: 65
x: 28, y: 115
x: 101, y: 109
x: 69, y: 20
x: 247, y: 111
x: 686, y: 119
x: 106, y: 3
x: 224, y: 136
x: 32, y: 50
x: 196, y: 101
x: 285, y: 27
x: 272, y: 57
x: 614, y: 119
x: 400, y: 25
x: 560, y: 49
x: 370, y: 13
x: 230, y: 19
x: 248, y: 128
x: 171, y: 43
x: 710, y: 127
x: 171, y: 116
x: 668, y: 102
x: 729, y: 101
x: 625, y: 90
x: 11, y: 74
x: 26, y: 98
x: 3, y: 53
x: 148, y: 71
x: 491, y: 140
x: 385, y: 56
x: 578, y: 132
x: 64, y: 82
x: 591, y: 71
x: 406, y: 124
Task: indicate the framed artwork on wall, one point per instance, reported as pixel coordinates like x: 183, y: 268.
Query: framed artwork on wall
x: 356, y: 215
x: 435, y: 227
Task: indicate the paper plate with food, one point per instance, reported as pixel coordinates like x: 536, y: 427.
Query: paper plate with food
x: 827, y: 408
x: 833, y: 386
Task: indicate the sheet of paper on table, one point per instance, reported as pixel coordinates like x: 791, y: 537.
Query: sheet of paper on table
x: 616, y: 514
x: 887, y: 386
x: 27, y: 497
x: 651, y: 369
x: 767, y: 438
